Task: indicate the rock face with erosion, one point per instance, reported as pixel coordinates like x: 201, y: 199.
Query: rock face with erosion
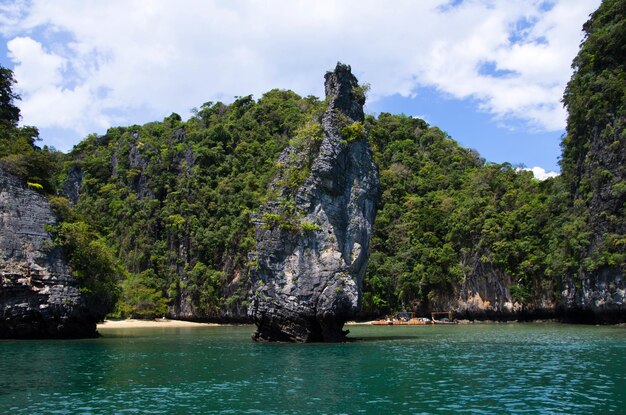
x: 313, y: 237
x: 39, y: 297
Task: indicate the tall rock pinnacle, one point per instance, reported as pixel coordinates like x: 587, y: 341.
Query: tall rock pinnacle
x: 313, y: 238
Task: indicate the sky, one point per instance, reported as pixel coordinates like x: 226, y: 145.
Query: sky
x: 491, y: 73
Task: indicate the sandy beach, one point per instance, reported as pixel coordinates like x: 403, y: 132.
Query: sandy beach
x: 133, y: 323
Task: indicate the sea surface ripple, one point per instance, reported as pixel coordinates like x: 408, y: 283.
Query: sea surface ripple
x: 465, y: 369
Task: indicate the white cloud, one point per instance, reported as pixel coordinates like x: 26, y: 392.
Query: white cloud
x: 35, y: 68
x: 45, y: 100
x: 11, y: 13
x: 539, y: 64
x: 132, y: 61
x: 541, y: 174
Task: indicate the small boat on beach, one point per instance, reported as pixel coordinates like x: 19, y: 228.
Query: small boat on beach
x: 409, y: 319
x: 446, y: 319
x: 403, y: 319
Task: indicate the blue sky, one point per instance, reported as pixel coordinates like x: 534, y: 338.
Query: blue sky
x: 491, y: 73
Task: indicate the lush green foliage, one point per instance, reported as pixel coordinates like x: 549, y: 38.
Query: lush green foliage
x: 353, y: 132
x: 141, y: 296
x: 9, y: 112
x: 594, y: 150
x: 360, y: 93
x: 92, y: 261
x: 172, y: 200
x: 18, y: 152
x: 445, y: 215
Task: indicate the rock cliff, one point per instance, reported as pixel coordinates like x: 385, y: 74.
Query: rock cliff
x: 593, y: 160
x: 487, y: 293
x: 313, y: 237
x: 39, y: 297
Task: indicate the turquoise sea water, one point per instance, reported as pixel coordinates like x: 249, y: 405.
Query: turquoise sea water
x: 474, y: 369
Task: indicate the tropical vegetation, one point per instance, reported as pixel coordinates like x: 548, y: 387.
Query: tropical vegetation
x: 157, y: 218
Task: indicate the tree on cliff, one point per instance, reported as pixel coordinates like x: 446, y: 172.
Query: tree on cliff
x: 594, y: 149
x: 9, y: 113
x: 93, y: 263
x: 18, y: 152
x: 13, y: 139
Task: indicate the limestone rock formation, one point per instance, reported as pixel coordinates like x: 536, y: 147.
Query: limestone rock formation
x: 593, y: 165
x: 313, y: 238
x: 39, y: 297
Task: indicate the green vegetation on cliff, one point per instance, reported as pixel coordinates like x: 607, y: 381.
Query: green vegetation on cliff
x: 594, y: 149
x: 18, y: 152
x: 165, y: 208
x: 174, y: 199
x: 93, y: 263
x: 446, y: 216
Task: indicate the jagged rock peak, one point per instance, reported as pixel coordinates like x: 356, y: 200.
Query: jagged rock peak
x: 313, y: 240
x: 343, y: 92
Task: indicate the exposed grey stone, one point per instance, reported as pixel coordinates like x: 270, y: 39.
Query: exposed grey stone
x: 308, y: 281
x: 39, y: 297
x: 485, y: 293
x: 73, y: 183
